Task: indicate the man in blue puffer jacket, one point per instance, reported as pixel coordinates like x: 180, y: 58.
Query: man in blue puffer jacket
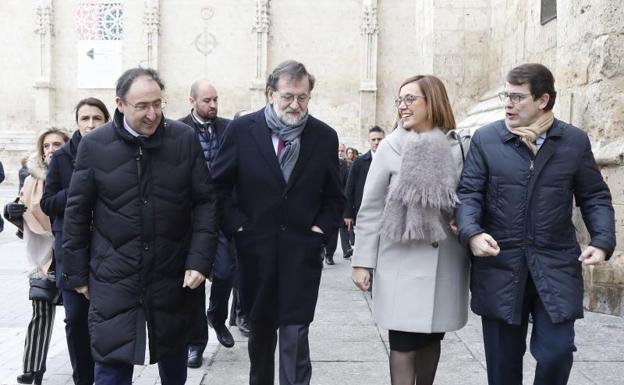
x: 519, y: 181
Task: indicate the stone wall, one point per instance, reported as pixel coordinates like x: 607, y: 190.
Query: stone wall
x: 590, y: 77
x: 359, y: 50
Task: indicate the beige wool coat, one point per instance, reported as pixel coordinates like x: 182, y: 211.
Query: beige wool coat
x: 418, y: 286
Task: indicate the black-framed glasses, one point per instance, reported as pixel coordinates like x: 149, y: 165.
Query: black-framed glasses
x: 407, y: 99
x: 288, y: 98
x: 159, y: 104
x: 514, y: 97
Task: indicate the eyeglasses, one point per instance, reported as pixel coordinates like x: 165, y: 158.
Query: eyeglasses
x: 407, y: 99
x: 288, y: 98
x: 514, y: 97
x: 143, y: 106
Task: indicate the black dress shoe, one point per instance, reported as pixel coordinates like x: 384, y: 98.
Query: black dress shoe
x: 348, y: 254
x: 30, y: 378
x: 329, y: 260
x: 223, y: 334
x: 243, y: 326
x: 194, y: 358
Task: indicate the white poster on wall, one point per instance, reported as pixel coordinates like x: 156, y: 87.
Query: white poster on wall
x: 99, y: 47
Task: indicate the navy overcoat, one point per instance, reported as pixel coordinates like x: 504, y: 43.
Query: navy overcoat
x: 525, y: 203
x: 279, y: 255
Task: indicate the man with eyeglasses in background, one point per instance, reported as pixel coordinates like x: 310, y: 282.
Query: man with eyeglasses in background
x: 277, y: 175
x: 517, y: 189
x: 140, y: 233
x: 209, y: 130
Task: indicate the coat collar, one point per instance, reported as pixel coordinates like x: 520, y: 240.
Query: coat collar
x: 395, y: 139
x: 146, y: 142
x: 555, y: 131
x: 262, y: 136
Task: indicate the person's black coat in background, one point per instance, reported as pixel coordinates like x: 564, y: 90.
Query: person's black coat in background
x: 355, y: 184
x: 54, y: 196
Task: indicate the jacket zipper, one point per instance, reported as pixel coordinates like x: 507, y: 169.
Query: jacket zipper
x: 138, y: 162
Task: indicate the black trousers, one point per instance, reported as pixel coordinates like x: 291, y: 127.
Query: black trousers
x: 77, y: 334
x: 552, y: 345
x: 38, y: 336
x: 223, y: 275
x: 332, y: 241
x: 295, y: 367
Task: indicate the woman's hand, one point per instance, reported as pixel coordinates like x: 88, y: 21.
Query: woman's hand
x: 453, y: 226
x: 361, y: 278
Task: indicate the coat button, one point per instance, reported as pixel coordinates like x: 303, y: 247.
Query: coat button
x: 145, y: 201
x: 146, y: 246
x: 435, y: 245
x: 283, y: 227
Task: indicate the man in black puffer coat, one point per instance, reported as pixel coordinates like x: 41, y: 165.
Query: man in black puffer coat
x: 139, y: 233
x: 517, y: 189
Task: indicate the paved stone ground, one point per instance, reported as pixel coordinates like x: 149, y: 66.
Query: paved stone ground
x: 346, y: 346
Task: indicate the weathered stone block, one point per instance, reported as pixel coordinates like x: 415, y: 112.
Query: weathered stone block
x: 606, y: 56
x: 605, y: 299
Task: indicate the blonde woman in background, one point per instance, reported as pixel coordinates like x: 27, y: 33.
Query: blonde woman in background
x: 39, y: 241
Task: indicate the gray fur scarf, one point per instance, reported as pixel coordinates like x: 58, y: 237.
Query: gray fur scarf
x: 420, y: 203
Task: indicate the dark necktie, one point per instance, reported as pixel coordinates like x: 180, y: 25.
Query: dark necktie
x: 280, y: 147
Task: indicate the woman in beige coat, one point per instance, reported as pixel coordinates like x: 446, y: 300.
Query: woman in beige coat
x: 405, y: 232
x: 39, y: 241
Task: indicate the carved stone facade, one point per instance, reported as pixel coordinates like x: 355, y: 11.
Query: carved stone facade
x: 151, y: 21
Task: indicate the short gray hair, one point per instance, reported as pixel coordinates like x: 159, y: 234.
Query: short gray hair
x: 290, y: 69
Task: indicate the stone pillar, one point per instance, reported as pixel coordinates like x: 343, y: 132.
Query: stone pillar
x: 151, y: 23
x: 368, y: 75
x: 590, y: 79
x: 44, y: 84
x: 261, y: 26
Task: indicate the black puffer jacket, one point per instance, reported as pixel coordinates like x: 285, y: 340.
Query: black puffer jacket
x: 140, y: 211
x: 525, y: 203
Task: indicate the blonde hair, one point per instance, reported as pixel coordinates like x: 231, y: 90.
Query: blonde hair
x: 439, y: 110
x: 52, y: 130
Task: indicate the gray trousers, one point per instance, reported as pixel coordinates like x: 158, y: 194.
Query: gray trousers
x: 294, y: 354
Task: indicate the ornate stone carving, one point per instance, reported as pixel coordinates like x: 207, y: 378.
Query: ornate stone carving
x: 45, y: 20
x: 262, y: 21
x: 205, y: 42
x: 151, y: 19
x: 369, y: 24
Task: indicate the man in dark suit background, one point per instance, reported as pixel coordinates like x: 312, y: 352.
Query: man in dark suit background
x: 277, y: 173
x: 210, y: 129
x: 332, y: 239
x: 357, y: 177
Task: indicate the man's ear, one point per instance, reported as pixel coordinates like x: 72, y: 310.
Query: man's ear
x: 120, y: 104
x: 270, y: 95
x: 543, y: 101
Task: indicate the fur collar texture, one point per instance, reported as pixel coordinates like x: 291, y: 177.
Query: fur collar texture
x: 422, y: 196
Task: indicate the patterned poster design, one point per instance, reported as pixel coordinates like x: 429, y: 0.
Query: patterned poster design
x: 100, y: 32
